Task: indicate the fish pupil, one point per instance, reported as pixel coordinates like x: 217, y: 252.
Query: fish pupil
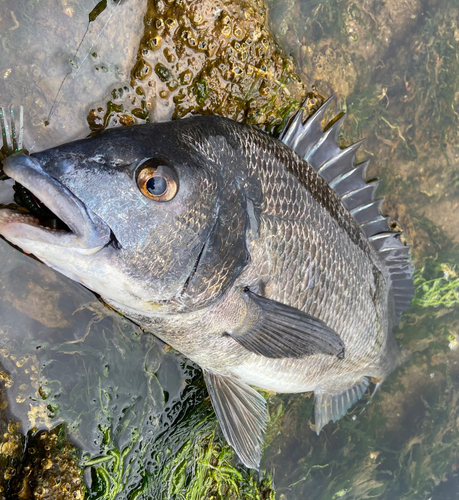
x: 157, y: 186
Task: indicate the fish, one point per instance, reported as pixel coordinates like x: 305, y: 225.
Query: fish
x: 266, y: 261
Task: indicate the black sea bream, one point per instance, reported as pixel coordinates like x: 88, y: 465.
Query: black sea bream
x: 267, y: 262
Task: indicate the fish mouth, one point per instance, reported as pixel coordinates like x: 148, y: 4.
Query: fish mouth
x: 50, y: 214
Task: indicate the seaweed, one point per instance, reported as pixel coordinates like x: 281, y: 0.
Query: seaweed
x: 187, y: 459
x: 442, y: 290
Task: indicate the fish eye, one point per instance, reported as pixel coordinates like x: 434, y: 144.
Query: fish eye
x: 157, y: 181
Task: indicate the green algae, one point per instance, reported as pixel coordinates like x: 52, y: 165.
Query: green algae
x: 443, y: 290
x: 426, y: 91
x: 202, y: 90
x: 204, y: 468
x: 187, y: 460
x: 98, y: 9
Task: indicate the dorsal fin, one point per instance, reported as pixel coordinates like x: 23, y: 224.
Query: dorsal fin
x: 319, y: 147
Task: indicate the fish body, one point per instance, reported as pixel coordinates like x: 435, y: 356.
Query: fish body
x: 265, y: 261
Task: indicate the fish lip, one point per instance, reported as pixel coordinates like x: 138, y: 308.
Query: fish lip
x: 88, y: 233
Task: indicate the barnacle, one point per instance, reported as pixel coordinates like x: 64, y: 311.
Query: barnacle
x: 209, y: 58
x: 49, y: 468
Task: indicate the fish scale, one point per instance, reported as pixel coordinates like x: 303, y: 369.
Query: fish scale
x: 271, y: 265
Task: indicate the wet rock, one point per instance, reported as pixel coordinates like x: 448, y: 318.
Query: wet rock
x: 49, y: 469
x: 201, y: 57
x: 11, y: 440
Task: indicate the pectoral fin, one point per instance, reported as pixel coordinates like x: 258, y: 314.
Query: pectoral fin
x: 333, y: 406
x: 275, y: 330
x: 242, y: 415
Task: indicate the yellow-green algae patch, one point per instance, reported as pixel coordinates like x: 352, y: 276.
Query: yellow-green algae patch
x: 201, y: 57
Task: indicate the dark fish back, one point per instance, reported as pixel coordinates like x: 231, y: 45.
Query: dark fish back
x: 336, y: 166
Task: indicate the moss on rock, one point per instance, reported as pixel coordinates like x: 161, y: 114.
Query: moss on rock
x: 201, y: 57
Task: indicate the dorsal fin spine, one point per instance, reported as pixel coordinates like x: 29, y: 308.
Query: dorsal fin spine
x: 343, y: 161
x: 319, y: 147
x: 377, y: 202
x: 321, y: 150
x: 361, y: 166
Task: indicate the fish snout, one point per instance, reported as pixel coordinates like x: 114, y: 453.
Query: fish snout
x: 86, y: 231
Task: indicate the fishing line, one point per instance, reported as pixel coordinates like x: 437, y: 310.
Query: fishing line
x: 76, y: 66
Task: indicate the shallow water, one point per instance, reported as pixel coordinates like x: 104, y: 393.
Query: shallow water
x: 131, y: 405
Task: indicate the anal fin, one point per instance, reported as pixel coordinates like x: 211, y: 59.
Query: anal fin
x: 242, y: 415
x: 328, y: 406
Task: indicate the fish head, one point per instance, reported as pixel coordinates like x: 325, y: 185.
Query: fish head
x: 153, y: 220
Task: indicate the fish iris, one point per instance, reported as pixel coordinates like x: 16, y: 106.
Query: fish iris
x: 157, y: 181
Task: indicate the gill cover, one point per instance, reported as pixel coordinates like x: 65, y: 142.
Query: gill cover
x: 225, y: 253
